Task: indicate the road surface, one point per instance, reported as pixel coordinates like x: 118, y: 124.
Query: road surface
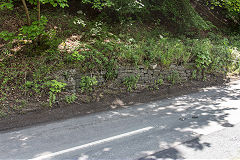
x: 200, y: 125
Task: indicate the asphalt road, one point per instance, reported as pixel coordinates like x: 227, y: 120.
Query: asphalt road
x: 200, y: 125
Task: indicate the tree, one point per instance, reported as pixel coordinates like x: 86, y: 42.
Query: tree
x: 231, y: 8
x: 8, y: 4
x: 230, y: 5
x: 35, y: 29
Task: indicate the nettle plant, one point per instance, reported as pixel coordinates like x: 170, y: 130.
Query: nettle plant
x: 202, y: 52
x: 55, y: 87
x: 33, y: 30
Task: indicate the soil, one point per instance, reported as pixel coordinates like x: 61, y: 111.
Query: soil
x: 109, y: 102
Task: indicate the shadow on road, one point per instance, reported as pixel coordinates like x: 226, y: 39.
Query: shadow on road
x: 192, y: 115
x: 173, y: 153
x: 212, y: 106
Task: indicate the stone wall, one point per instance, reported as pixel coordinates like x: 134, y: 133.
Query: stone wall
x: 147, y: 76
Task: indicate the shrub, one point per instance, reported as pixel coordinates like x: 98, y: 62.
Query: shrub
x: 202, y: 51
x: 221, y: 58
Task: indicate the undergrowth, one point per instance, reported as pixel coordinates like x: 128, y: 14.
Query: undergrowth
x: 29, y: 72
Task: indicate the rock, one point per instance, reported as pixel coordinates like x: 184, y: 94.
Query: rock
x: 153, y: 66
x: 150, y: 72
x: 173, y: 66
x: 180, y: 68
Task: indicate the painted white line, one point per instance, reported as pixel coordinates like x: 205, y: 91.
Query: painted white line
x: 50, y: 155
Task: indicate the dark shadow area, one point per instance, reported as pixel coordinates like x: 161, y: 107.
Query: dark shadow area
x: 196, y: 144
x: 173, y: 153
x: 213, y: 105
x: 170, y: 153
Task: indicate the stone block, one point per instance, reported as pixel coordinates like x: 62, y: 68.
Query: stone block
x: 173, y: 66
x: 180, y: 68
x: 150, y: 72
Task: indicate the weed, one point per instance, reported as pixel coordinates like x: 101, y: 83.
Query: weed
x: 131, y: 82
x: 174, y: 77
x: 76, y: 56
x: 87, y: 83
x: 158, y: 82
x: 222, y: 57
x: 111, y: 71
x: 55, y: 88
x: 194, y: 74
x: 2, y: 114
x: 202, y: 51
x: 18, y: 108
x: 70, y: 98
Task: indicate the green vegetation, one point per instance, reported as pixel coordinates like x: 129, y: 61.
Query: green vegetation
x: 54, y: 87
x: 232, y: 6
x: 174, y: 77
x: 158, y: 82
x: 71, y: 98
x: 105, y: 36
x: 87, y: 83
x: 131, y: 82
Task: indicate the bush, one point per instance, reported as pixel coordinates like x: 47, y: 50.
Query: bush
x: 202, y: 51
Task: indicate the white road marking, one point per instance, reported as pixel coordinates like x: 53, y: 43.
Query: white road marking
x: 50, y: 155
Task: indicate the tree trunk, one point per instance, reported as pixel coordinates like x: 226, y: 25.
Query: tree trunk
x: 38, y: 40
x: 39, y: 10
x: 27, y: 13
